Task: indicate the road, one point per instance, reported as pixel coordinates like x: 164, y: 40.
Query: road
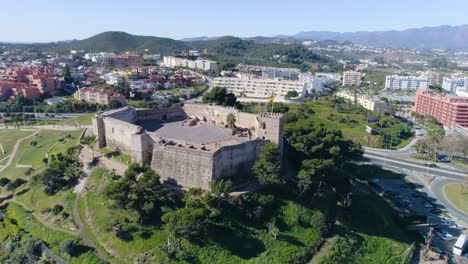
x: 209, y: 82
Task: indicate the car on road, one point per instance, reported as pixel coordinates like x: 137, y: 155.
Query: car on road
x: 430, y: 165
x: 436, y: 211
x: 416, y: 194
x: 420, y: 135
x: 375, y: 180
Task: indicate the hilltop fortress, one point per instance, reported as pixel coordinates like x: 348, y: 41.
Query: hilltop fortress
x: 189, y: 145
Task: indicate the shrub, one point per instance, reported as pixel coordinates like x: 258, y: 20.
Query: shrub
x: 57, y: 209
x: 4, y: 181
x: 319, y: 221
x: 46, y: 210
x: 291, y: 214
x: 28, y: 171
x: 15, y: 184
x: 69, y: 246
x: 65, y: 215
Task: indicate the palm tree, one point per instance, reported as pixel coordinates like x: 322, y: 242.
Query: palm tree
x: 231, y: 120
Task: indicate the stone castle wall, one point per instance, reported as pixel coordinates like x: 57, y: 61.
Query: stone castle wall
x: 184, y: 165
x: 229, y: 161
x: 266, y: 126
x: 164, y: 114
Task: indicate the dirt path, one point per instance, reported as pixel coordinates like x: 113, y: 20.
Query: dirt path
x: 82, y: 233
x: 15, y: 148
x: 323, y: 249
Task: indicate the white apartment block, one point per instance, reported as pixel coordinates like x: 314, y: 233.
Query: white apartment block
x: 396, y: 82
x: 282, y: 73
x: 452, y: 84
x: 200, y: 64
x: 260, y: 88
x: 312, y: 82
x: 352, y: 78
x: 367, y: 102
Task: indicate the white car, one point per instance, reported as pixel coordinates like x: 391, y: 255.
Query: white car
x: 445, y: 235
x: 448, y: 222
x: 460, y: 227
x: 375, y: 180
x: 428, y: 205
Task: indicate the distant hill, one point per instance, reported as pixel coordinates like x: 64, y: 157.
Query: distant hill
x: 228, y: 50
x: 116, y: 41
x: 446, y: 37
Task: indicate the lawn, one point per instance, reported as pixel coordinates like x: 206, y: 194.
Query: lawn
x: 459, y: 163
x: 18, y: 221
x: 47, y: 141
x: 9, y: 137
x: 120, y: 157
x: 458, y: 196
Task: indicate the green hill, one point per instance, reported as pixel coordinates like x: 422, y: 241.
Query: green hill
x: 115, y: 41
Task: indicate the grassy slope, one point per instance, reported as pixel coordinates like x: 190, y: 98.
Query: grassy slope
x: 378, y: 237
x: 458, y: 196
x: 47, y: 140
x: 379, y: 233
x: 351, y: 130
x: 31, y: 196
x: 18, y: 219
x: 9, y: 137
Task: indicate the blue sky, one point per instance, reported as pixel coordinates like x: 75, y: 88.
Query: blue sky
x: 52, y: 20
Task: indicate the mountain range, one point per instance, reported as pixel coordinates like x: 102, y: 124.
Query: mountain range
x: 444, y: 37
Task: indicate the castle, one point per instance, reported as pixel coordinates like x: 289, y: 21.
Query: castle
x: 190, y: 145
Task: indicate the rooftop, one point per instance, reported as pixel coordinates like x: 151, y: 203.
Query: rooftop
x: 194, y: 134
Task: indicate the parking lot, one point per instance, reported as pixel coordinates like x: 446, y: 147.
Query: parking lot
x: 411, y: 199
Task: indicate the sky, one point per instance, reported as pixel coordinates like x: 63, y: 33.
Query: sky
x: 54, y: 20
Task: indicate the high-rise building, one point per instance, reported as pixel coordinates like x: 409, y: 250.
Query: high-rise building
x: 448, y: 110
x: 352, y: 78
x: 396, y: 82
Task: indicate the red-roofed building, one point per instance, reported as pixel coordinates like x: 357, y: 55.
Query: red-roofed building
x: 100, y: 96
x: 449, y: 111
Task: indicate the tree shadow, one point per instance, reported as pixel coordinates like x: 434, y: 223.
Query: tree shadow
x: 290, y: 239
x: 22, y: 192
x: 238, y: 242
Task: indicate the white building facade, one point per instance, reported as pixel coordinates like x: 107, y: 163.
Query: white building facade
x: 260, y: 88
x: 352, y: 78
x: 199, y: 64
x: 452, y: 85
x: 396, y: 82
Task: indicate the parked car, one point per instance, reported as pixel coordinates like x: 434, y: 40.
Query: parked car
x: 445, y: 235
x: 459, y: 227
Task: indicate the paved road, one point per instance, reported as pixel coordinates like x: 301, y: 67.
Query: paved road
x: 415, y: 165
x: 209, y: 82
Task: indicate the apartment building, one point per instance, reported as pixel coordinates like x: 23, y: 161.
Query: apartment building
x: 260, y: 88
x: 365, y: 101
x: 448, y: 110
x: 433, y: 78
x: 126, y: 60
x: 199, y: 64
x: 100, y: 96
x: 396, y: 82
x: 352, y: 78
x: 453, y: 84
x: 312, y: 82
x: 282, y: 73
